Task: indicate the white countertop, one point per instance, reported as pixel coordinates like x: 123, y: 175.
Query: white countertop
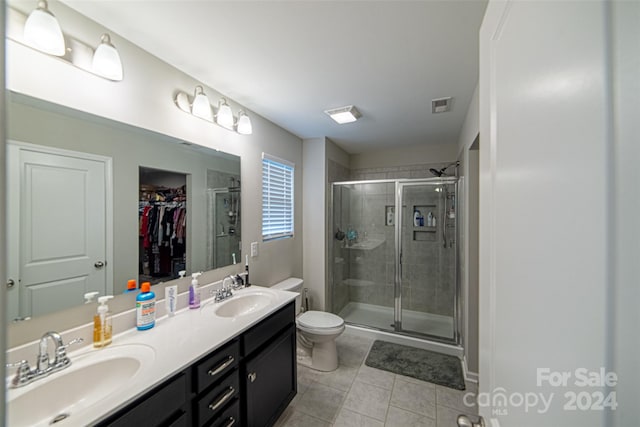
x: 177, y: 341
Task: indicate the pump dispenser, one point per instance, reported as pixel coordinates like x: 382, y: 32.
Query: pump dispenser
x: 194, y: 291
x: 89, y: 296
x: 102, y: 323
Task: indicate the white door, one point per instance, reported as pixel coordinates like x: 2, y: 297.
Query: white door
x: 57, y: 228
x: 545, y: 174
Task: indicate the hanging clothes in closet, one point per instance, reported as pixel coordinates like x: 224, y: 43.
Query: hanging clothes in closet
x: 163, y: 230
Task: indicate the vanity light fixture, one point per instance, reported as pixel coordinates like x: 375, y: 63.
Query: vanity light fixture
x: 244, y: 124
x: 42, y: 31
x: 343, y: 115
x: 199, y: 106
x: 224, y: 117
x: 106, y: 60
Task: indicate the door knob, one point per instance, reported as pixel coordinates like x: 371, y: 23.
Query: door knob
x: 464, y: 421
x: 99, y: 264
x: 252, y: 376
x: 10, y: 283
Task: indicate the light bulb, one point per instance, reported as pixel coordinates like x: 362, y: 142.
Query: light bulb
x: 244, y: 124
x: 42, y: 31
x: 106, y: 60
x: 201, y: 106
x: 224, y: 117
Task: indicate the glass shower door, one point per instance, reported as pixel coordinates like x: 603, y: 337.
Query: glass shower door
x: 427, y: 259
x: 363, y: 270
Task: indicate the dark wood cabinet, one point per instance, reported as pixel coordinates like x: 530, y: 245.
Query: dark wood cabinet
x: 248, y: 381
x: 270, y: 380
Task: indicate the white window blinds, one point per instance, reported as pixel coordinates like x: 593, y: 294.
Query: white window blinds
x: 277, y: 198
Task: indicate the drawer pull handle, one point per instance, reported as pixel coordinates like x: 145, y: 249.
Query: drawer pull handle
x: 222, y: 367
x: 223, y: 399
x: 232, y: 421
x: 252, y: 376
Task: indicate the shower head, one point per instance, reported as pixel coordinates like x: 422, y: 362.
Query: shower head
x: 441, y: 172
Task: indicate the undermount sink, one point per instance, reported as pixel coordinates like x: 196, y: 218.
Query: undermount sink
x: 244, y: 303
x: 91, y: 377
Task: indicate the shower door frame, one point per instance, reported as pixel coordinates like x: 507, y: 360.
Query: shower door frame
x: 397, y: 305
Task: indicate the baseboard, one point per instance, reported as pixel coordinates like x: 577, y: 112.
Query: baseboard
x: 468, y: 376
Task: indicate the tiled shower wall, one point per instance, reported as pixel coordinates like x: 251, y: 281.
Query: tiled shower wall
x: 367, y: 276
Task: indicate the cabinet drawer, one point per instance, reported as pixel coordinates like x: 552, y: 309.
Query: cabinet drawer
x: 213, y: 402
x: 265, y: 330
x: 229, y: 417
x: 156, y: 407
x: 217, y: 365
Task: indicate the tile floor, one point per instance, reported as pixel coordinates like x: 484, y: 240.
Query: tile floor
x: 356, y: 395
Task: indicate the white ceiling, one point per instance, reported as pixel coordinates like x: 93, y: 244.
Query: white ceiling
x: 290, y: 60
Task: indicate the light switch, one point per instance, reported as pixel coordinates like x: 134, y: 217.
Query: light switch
x: 254, y: 249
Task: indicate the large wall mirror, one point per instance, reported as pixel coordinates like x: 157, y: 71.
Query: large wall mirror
x: 94, y: 203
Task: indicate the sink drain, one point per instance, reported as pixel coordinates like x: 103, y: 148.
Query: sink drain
x: 59, y: 417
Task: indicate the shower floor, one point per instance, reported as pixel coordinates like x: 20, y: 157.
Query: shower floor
x: 412, y: 321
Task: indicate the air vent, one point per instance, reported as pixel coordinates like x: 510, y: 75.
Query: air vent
x: 440, y: 105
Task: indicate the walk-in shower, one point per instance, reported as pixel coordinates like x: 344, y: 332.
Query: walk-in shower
x: 393, y: 257
x: 223, y: 246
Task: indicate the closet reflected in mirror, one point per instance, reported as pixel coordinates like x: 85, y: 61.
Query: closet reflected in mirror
x: 75, y: 178
x: 162, y: 212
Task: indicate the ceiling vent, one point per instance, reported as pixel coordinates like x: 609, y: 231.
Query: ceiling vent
x: 441, y: 105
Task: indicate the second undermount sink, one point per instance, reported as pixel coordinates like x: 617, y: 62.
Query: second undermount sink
x: 244, y: 303
x: 91, y: 377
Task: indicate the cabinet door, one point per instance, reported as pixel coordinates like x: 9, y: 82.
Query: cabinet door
x: 270, y: 380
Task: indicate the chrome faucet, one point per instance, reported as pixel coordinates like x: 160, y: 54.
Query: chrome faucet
x: 25, y: 375
x: 225, y: 291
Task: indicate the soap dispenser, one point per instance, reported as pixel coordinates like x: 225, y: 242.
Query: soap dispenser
x: 102, y: 323
x: 194, y: 291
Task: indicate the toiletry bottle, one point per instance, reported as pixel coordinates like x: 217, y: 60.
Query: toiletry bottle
x: 102, y: 323
x: 430, y: 219
x: 145, y: 307
x: 246, y: 268
x: 171, y: 299
x: 89, y: 296
x: 194, y: 291
x: 416, y: 218
x: 433, y: 221
x: 132, y: 286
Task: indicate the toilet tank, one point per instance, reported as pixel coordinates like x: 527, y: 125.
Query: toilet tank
x: 292, y: 284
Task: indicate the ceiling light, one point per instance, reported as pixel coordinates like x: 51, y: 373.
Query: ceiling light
x: 42, y: 31
x: 244, y: 124
x: 346, y: 114
x: 106, y: 60
x: 201, y: 106
x: 224, y: 117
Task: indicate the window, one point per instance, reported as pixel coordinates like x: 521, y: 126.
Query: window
x: 277, y: 198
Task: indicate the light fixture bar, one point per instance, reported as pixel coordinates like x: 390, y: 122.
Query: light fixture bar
x: 348, y: 114
x: 198, y: 105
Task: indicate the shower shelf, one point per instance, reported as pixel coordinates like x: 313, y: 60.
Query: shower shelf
x: 357, y: 282
x: 367, y: 245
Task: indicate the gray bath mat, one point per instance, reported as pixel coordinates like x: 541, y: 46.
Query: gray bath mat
x: 413, y: 362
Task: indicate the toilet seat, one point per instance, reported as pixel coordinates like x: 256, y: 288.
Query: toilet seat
x: 320, y: 322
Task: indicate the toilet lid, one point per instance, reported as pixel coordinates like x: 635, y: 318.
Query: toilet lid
x: 319, y: 319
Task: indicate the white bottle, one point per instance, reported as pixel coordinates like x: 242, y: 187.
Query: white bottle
x: 416, y: 218
x: 430, y: 220
x: 194, y: 291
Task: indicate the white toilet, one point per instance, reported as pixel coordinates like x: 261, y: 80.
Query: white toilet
x: 317, y: 332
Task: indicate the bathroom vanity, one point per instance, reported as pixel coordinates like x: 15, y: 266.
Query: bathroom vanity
x: 248, y: 382
x: 227, y: 364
